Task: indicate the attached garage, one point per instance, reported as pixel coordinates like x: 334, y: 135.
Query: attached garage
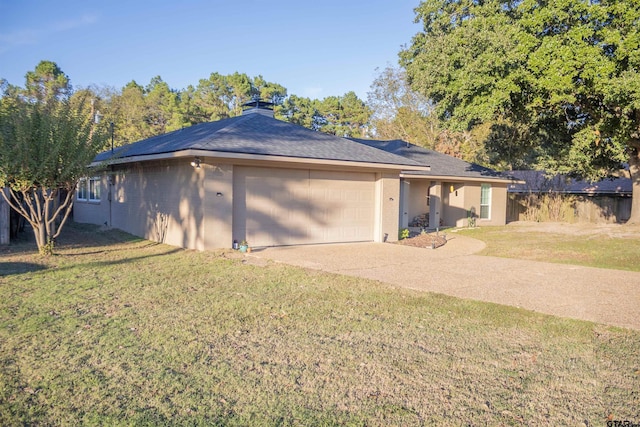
x: 249, y: 177
x: 274, y: 207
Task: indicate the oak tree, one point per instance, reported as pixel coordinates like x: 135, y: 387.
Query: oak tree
x: 557, y: 81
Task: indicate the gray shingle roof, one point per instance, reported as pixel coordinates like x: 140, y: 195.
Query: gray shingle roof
x: 258, y: 134
x: 441, y: 164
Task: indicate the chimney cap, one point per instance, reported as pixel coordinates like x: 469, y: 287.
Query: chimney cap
x: 264, y: 108
x: 258, y: 103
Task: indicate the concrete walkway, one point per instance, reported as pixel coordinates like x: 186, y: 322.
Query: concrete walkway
x: 599, y: 295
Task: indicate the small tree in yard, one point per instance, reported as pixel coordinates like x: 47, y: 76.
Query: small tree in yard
x: 47, y: 139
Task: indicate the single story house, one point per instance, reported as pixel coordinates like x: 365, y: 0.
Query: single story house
x: 263, y: 180
x: 451, y: 193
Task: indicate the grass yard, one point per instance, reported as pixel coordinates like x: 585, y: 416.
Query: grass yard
x: 120, y: 331
x: 614, y: 246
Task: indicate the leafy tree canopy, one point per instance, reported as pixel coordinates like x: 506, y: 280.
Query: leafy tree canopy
x: 47, y: 139
x: 345, y: 115
x: 137, y: 111
x: 557, y: 81
x: 47, y: 81
x: 399, y: 112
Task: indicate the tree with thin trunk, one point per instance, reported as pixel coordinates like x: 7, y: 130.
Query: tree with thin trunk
x: 47, y: 139
x: 398, y: 112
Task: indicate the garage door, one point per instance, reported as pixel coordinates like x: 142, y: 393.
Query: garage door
x: 273, y: 207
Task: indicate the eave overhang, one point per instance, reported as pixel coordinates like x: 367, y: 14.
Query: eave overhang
x: 457, y: 178
x: 232, y: 156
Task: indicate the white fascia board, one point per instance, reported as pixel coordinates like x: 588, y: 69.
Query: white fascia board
x: 455, y: 178
x: 254, y: 157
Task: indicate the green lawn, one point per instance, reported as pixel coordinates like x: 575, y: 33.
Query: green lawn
x: 594, y: 250
x: 120, y: 331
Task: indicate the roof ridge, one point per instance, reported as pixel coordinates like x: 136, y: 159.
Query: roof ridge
x: 233, y: 123
x: 239, y: 119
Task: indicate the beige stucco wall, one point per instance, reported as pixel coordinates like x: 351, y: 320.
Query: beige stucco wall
x: 161, y: 201
x: 498, y: 213
x: 387, y: 220
x: 93, y: 212
x: 454, y: 212
x: 166, y: 202
x: 170, y: 201
x: 499, y: 204
x: 435, y: 204
x: 218, y: 205
x: 449, y: 206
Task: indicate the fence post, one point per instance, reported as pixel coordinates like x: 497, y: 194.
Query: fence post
x: 4, y: 220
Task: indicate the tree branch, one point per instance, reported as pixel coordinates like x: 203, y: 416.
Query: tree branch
x: 16, y: 206
x: 69, y: 206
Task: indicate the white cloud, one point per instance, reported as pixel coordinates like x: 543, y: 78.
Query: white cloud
x: 72, y: 24
x: 30, y: 36
x: 17, y: 38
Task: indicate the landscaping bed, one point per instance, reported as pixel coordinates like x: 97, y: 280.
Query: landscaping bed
x: 425, y: 240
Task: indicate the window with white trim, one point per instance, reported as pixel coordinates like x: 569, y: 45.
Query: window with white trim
x: 94, y: 189
x: 81, y: 191
x: 485, y: 201
x: 88, y: 189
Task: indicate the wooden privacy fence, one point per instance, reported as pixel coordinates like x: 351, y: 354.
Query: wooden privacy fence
x: 568, y: 207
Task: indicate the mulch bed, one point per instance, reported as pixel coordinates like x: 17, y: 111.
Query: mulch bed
x: 430, y: 241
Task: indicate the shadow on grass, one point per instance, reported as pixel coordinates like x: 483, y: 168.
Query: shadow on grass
x: 11, y: 268
x: 78, y: 240
x: 24, y: 244
x: 73, y: 236
x: 87, y: 239
x: 124, y: 261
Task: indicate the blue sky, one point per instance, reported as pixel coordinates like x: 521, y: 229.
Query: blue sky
x: 314, y: 49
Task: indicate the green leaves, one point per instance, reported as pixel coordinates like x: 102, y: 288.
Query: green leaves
x: 470, y: 69
x: 345, y: 115
x: 47, y: 82
x: 46, y: 143
x: 398, y: 112
x: 563, y: 69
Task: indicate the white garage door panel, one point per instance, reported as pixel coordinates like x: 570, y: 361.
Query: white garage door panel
x: 346, y: 201
x: 288, y: 206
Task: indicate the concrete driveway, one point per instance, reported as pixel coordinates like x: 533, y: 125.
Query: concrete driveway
x: 599, y: 295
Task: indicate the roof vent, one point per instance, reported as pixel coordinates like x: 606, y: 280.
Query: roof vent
x: 257, y: 106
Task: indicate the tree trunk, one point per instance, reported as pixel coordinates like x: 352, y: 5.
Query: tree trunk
x: 41, y: 237
x: 634, y: 171
x: 37, y: 211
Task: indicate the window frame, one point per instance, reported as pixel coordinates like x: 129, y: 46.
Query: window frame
x: 89, y: 189
x: 94, y: 183
x: 486, y: 206
x: 81, y: 190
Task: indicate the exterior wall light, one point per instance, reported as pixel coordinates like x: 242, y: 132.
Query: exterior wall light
x: 196, y: 163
